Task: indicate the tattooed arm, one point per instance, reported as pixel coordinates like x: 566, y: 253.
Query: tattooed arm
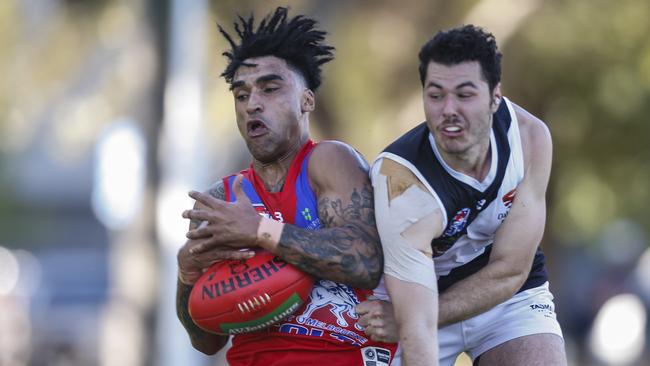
x: 347, y: 248
x: 190, y: 268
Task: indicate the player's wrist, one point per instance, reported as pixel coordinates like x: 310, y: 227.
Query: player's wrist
x: 269, y: 232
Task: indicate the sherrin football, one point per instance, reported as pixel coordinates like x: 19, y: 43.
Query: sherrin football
x: 243, y: 296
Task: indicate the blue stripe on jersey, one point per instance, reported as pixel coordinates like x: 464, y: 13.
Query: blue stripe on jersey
x: 248, y: 189
x: 306, y: 204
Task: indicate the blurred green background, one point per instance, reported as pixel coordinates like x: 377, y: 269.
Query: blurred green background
x: 111, y: 110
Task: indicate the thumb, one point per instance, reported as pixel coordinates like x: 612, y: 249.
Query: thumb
x: 238, y: 189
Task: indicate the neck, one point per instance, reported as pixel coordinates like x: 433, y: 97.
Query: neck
x: 474, y: 162
x: 274, y: 173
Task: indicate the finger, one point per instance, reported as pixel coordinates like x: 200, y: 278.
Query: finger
x: 200, y: 233
x: 233, y: 255
x: 363, y: 321
x: 203, y: 246
x: 369, y: 307
x: 218, y: 245
x: 238, y: 189
x: 201, y: 215
x: 362, y: 308
x: 371, y: 332
x: 376, y: 323
x: 206, y: 199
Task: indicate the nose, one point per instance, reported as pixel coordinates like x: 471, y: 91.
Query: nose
x: 254, y: 104
x: 449, y: 107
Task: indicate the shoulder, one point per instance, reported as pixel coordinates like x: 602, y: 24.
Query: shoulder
x: 333, y: 161
x: 399, y: 177
x: 535, y: 135
x: 336, y: 156
x: 537, y: 148
x: 218, y: 190
x: 331, y: 149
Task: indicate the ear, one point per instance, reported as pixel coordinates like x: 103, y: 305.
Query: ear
x: 307, y: 101
x: 496, y: 98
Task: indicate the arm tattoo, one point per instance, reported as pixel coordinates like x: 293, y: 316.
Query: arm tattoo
x: 182, y: 302
x: 218, y: 191
x: 346, y: 249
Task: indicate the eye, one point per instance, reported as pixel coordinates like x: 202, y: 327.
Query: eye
x: 270, y: 89
x: 435, y: 96
x: 241, y: 97
x: 465, y: 95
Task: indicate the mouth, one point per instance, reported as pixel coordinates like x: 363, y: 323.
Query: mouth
x: 451, y: 130
x: 256, y: 128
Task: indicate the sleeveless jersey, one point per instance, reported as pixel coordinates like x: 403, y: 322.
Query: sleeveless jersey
x: 472, y: 210
x: 324, y: 329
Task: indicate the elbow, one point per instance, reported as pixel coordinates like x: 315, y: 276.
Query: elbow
x: 369, y: 282
x: 207, y: 348
x: 374, y: 279
x: 511, y: 277
x: 516, y: 279
x: 373, y: 270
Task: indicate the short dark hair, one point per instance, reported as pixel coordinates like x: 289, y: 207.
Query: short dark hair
x: 461, y: 44
x: 295, y: 40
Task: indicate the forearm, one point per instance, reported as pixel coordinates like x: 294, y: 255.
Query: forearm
x: 342, y: 254
x: 203, y: 341
x: 419, y: 345
x: 415, y: 308
x: 492, y: 285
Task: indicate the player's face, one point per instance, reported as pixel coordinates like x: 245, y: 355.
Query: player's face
x: 272, y: 104
x: 458, y: 106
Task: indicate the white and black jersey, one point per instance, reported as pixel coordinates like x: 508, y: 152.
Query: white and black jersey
x: 473, y: 210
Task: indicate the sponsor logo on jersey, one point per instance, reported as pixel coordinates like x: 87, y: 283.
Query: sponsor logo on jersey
x: 509, y: 197
x: 375, y: 356
x: 306, y: 214
x: 458, y: 222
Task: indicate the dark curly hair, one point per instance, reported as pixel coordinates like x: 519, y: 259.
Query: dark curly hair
x: 461, y: 44
x: 295, y: 40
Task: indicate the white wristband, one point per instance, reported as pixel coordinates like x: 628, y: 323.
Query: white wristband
x: 269, y: 232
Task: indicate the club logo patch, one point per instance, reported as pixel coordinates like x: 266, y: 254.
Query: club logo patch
x: 458, y: 223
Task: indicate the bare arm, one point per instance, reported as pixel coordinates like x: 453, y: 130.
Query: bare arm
x: 414, y: 307
x: 515, y: 241
x: 347, y: 247
x: 190, y: 267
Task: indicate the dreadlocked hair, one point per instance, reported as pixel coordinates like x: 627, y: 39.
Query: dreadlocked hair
x: 295, y: 40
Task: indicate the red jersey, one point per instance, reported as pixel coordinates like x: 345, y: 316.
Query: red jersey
x: 324, y: 329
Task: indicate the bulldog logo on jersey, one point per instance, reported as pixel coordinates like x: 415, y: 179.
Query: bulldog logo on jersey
x: 339, y: 298
x: 458, y: 223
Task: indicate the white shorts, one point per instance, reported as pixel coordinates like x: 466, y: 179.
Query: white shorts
x: 528, y: 312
